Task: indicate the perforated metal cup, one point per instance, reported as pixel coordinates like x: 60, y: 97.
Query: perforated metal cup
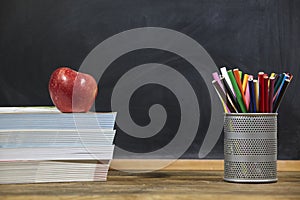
x: 250, y: 147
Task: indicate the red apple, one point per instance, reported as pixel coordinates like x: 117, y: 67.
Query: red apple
x: 72, y: 91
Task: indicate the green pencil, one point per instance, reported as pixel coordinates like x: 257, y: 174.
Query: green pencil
x: 237, y: 91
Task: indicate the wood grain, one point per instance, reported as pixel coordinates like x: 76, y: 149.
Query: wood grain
x: 158, y: 185
x: 142, y: 164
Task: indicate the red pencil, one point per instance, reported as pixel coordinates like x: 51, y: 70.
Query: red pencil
x: 266, y: 93
x: 261, y: 91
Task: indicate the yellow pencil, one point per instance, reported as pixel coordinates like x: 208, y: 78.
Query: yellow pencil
x: 272, y: 75
x: 245, y: 82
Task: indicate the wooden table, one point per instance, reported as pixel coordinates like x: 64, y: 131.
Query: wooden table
x: 159, y: 185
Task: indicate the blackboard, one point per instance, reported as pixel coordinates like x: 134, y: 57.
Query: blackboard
x: 36, y: 37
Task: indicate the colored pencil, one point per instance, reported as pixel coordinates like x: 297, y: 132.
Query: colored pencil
x: 245, y: 82
x: 222, y: 96
x: 256, y: 93
x: 281, y: 94
x: 225, y: 75
x: 237, y: 91
x: 217, y: 78
x: 231, y: 104
x: 247, y: 97
x: 285, y: 76
x: 290, y: 75
x: 278, y: 83
x: 252, y: 95
x: 261, y: 91
x: 230, y: 95
x: 237, y: 76
x: 266, y: 93
x: 241, y: 93
x: 273, y: 74
x: 271, y: 93
x: 241, y: 75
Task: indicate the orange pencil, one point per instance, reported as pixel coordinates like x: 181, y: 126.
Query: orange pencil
x: 237, y: 77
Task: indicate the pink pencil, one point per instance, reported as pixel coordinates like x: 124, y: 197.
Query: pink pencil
x: 247, y: 95
x: 217, y: 78
x: 266, y: 93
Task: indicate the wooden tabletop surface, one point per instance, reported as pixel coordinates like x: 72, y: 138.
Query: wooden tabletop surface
x: 159, y: 185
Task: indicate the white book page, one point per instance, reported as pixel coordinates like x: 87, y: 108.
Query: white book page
x: 29, y: 109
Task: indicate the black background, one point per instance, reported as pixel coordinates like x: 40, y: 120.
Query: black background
x: 37, y: 36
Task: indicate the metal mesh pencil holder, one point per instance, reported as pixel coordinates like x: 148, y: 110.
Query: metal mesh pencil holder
x: 250, y: 147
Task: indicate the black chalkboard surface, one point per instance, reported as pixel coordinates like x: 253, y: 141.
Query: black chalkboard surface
x: 36, y: 37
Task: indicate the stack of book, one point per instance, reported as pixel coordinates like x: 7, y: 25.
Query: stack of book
x: 40, y: 144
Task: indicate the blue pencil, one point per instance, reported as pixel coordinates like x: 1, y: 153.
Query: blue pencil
x: 285, y: 76
x: 252, y: 95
